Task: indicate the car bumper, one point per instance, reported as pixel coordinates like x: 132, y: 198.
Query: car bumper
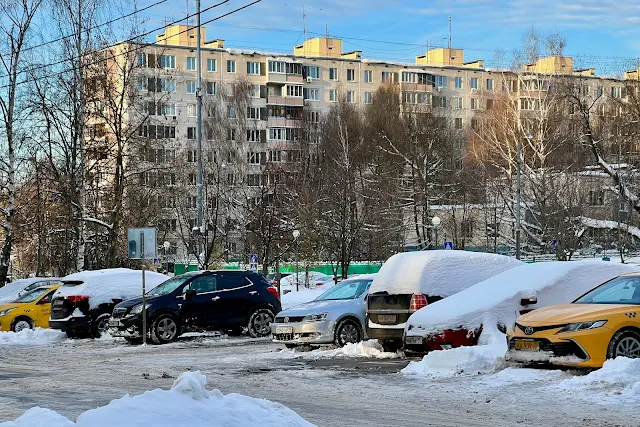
x: 385, y: 332
x: 420, y: 345
x: 583, y: 349
x: 73, y: 324
x: 126, y: 327
x: 5, y: 323
x: 303, y: 332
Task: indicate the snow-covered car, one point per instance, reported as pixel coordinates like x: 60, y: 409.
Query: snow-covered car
x: 316, y: 278
x: 456, y: 321
x: 411, y: 280
x: 85, y: 301
x: 337, y: 316
x: 13, y: 290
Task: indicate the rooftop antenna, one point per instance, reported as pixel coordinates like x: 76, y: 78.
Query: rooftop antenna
x: 449, y: 40
x: 304, y: 24
x: 326, y: 30
x: 187, y: 1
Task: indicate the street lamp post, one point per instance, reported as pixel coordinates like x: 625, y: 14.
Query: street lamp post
x: 12, y: 258
x: 166, y: 245
x: 436, y: 223
x: 296, y: 234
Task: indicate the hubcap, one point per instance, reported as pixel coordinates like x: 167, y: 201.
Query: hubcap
x: 348, y: 334
x: 21, y: 325
x: 628, y: 347
x: 167, y: 329
x: 262, y: 323
x: 103, y: 325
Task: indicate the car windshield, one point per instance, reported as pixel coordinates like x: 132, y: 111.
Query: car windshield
x: 167, y: 287
x: 350, y: 289
x: 32, y: 296
x: 621, y: 290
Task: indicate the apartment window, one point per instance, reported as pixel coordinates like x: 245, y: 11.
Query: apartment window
x: 253, y: 68
x: 253, y: 135
x: 314, y: 116
x: 423, y: 98
x: 473, y: 83
x: 441, y: 81
x: 275, y: 156
x: 192, y: 156
x: 600, y: 91
x: 351, y: 75
x: 191, y: 110
x: 211, y: 88
x: 232, y: 137
x: 254, y: 180
x: 333, y: 74
x: 457, y: 103
x: 457, y: 123
x: 388, y: 77
x: 284, y: 134
x: 191, y: 132
x: 313, y: 72
x: 440, y: 101
x: 332, y: 95
x: 191, y: 63
x: 409, y: 97
x: 167, y: 85
x: 367, y: 97
x: 474, y: 103
x: 168, y: 61
x: 231, y: 66
x: 312, y: 94
x: 489, y: 104
x: 351, y: 96
x: 211, y: 65
x: 294, y: 90
x: 253, y: 158
x: 489, y: 84
x: 191, y: 87
x: 192, y: 179
x: 253, y: 113
x: 616, y: 92
x: 368, y: 76
x: 596, y: 197
x: 458, y: 82
x: 169, y: 109
x: 527, y: 104
x: 142, y: 59
x: 232, y: 112
x: 142, y: 83
x: 277, y: 67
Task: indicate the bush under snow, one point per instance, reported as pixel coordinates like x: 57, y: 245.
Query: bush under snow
x: 37, y: 336
x: 187, y: 404
x: 102, y: 286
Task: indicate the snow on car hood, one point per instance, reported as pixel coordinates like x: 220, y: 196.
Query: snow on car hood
x: 11, y: 291
x: 103, y: 286
x: 315, y: 307
x: 438, y: 273
x: 554, y: 282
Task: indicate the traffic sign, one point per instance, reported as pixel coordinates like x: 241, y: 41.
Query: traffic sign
x: 253, y: 262
x: 448, y: 245
x: 142, y: 243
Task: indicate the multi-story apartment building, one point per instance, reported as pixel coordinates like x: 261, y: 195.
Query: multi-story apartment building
x: 283, y: 87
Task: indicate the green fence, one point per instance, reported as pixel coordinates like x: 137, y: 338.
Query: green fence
x: 356, y: 268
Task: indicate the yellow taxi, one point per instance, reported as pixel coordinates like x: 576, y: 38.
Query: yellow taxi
x: 28, y: 311
x: 602, y: 324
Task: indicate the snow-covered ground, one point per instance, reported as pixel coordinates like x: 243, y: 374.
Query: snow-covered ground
x: 37, y: 336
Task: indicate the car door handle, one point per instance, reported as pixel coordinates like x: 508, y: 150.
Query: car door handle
x: 215, y: 298
x: 253, y: 292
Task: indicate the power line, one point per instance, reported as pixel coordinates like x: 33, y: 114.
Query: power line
x: 139, y: 45
x: 133, y: 39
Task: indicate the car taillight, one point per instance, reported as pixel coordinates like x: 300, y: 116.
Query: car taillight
x: 77, y: 298
x: 417, y: 302
x: 274, y: 291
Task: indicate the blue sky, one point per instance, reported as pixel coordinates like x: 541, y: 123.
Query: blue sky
x: 602, y: 34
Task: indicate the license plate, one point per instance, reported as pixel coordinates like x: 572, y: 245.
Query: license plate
x: 527, y: 345
x: 114, y: 323
x: 386, y: 318
x: 414, y: 340
x: 284, y: 330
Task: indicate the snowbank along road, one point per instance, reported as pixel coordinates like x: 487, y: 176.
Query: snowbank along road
x: 355, y: 386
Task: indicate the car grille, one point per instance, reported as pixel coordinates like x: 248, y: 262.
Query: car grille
x: 559, y: 349
x: 283, y: 337
x: 118, y: 313
x: 539, y: 328
x: 290, y: 319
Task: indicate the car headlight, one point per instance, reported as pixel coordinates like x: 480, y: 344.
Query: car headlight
x: 137, y: 309
x: 315, y: 317
x: 581, y: 326
x: 7, y: 311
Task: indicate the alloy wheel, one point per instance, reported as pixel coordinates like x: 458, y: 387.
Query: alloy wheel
x: 167, y: 329
x: 103, y: 326
x: 262, y: 323
x: 21, y: 325
x: 628, y: 347
x: 348, y: 334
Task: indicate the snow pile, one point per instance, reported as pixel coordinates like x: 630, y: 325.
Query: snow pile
x: 11, y: 291
x: 486, y: 357
x: 619, y: 377
x: 438, y: 273
x: 370, y: 349
x: 102, y: 286
x: 550, y: 282
x: 187, y: 404
x: 36, y: 336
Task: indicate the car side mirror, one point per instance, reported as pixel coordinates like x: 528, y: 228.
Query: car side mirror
x: 188, y: 296
x: 529, y: 301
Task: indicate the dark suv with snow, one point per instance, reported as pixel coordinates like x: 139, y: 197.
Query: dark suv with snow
x: 215, y: 300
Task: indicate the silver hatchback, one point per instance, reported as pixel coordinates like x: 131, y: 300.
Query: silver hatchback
x: 337, y: 316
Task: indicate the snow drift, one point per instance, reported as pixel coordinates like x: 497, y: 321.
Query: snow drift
x: 618, y: 377
x: 499, y: 296
x: 187, y: 404
x: 102, y: 286
x: 441, y: 273
x: 37, y: 336
x: 370, y: 349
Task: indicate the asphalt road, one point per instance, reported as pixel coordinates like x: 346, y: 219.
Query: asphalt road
x: 75, y: 376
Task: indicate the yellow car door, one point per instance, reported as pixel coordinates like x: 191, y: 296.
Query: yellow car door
x: 43, y: 310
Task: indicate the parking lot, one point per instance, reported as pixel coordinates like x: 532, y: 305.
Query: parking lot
x: 72, y: 376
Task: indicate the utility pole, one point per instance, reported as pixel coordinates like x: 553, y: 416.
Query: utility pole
x: 518, y: 166
x: 200, y: 177
x: 449, y: 41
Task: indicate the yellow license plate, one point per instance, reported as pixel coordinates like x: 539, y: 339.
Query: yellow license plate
x: 527, y: 345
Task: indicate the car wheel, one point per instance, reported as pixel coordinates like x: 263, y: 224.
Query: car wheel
x: 100, y: 325
x: 391, y: 346
x: 22, y: 323
x: 260, y: 323
x: 164, y: 329
x: 70, y: 334
x: 624, y: 343
x: 348, y: 331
